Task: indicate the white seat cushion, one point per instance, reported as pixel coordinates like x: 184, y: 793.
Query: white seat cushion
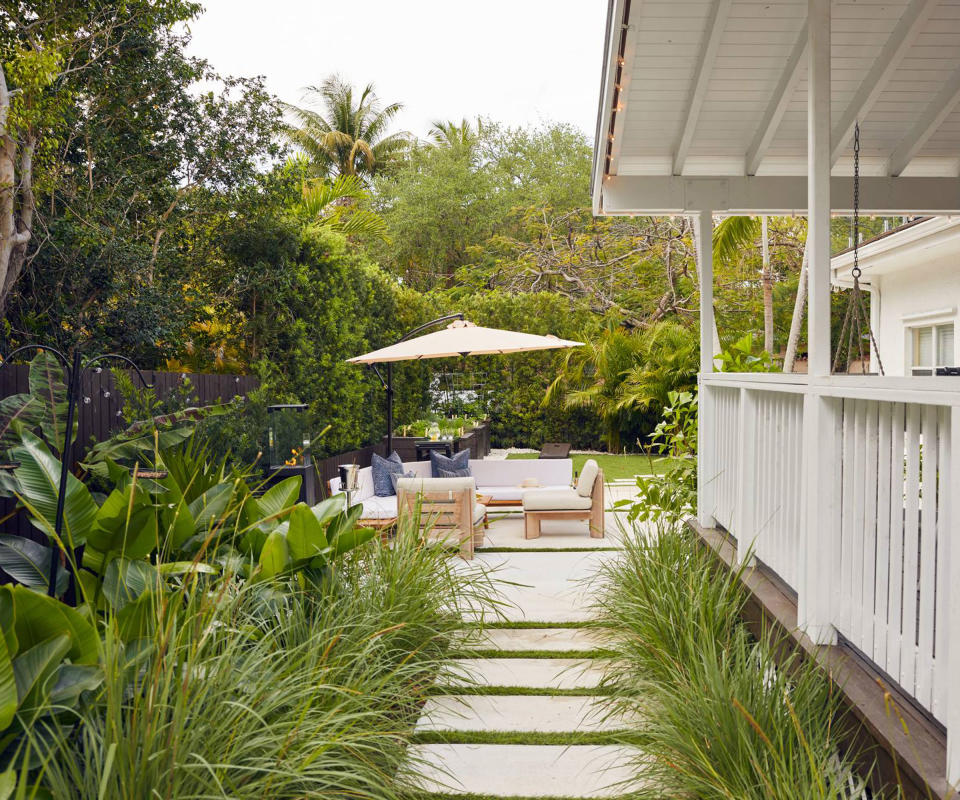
x: 587, y: 476
x: 512, y: 494
x: 555, y: 500
x: 479, y: 511
x: 379, y: 507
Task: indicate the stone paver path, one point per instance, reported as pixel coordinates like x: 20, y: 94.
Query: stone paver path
x: 536, y: 681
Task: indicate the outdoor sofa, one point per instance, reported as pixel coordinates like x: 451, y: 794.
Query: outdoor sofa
x: 504, y: 482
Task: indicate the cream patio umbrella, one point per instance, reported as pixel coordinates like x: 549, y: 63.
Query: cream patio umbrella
x: 459, y: 338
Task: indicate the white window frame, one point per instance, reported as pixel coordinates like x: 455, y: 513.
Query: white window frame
x: 936, y: 325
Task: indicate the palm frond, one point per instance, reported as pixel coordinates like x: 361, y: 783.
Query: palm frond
x: 733, y: 234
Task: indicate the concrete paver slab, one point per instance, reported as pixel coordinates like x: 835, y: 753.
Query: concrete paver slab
x: 531, y: 673
x: 547, y: 587
x: 544, y: 639
x: 524, y: 770
x: 564, y: 714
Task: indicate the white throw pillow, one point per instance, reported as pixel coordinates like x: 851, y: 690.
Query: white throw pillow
x: 587, y: 476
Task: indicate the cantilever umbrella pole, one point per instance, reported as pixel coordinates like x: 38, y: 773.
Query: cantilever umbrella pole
x: 388, y: 383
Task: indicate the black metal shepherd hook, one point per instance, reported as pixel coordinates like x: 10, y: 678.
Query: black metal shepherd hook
x: 74, y: 368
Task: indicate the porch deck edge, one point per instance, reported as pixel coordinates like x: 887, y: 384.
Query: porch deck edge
x: 919, y: 753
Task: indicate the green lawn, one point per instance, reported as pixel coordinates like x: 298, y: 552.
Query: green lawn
x: 615, y: 466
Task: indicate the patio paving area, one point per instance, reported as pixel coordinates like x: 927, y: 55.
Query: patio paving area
x: 553, y: 667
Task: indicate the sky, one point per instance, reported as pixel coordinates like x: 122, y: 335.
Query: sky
x: 522, y: 62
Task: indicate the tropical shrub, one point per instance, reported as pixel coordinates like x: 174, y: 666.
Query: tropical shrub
x: 625, y: 377
x: 724, y: 714
x: 740, y: 357
x: 312, y: 694
x: 673, y: 495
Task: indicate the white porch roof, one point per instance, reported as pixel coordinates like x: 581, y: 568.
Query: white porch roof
x: 703, y: 105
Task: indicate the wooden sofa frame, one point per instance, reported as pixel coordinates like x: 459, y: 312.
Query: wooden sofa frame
x: 449, y: 515
x: 532, y: 519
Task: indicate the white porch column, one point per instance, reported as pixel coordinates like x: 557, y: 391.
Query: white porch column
x: 952, y: 556
x: 706, y: 423
x: 818, y: 186
x: 821, y: 416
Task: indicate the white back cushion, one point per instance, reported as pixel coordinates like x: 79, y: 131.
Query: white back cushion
x: 587, y: 476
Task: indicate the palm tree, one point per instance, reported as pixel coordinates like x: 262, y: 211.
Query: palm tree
x: 347, y: 135
x: 331, y: 204
x: 453, y: 134
x: 668, y: 359
x: 590, y: 377
x: 729, y: 237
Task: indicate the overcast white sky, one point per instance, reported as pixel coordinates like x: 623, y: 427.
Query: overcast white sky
x: 516, y: 61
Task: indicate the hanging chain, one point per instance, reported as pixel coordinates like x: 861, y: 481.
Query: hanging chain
x: 856, y: 316
x: 856, y: 202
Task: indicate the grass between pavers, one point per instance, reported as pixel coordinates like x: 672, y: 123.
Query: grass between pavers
x: 523, y: 691
x: 533, y: 624
x: 615, y: 466
x: 494, y: 652
x: 475, y: 796
x: 545, y: 549
x: 565, y: 738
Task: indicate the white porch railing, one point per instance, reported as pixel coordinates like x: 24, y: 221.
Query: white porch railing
x: 843, y: 487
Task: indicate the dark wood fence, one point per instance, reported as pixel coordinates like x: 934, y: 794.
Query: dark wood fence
x: 99, y: 411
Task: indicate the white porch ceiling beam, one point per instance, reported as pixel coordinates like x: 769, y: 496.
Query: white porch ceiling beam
x: 778, y: 104
x: 698, y: 92
x: 901, y: 40
x: 932, y: 118
x: 774, y: 194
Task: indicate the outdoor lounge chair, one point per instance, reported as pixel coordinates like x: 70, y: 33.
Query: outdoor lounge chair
x: 447, y: 510
x: 583, y: 502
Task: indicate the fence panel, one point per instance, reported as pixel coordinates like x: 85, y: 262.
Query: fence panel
x: 726, y: 468
x: 779, y: 423
x: 893, y: 528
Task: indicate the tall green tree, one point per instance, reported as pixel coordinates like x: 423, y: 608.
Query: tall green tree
x: 344, y: 132
x: 56, y: 59
x: 136, y: 161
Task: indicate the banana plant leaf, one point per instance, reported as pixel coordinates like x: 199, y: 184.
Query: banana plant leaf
x: 37, y: 618
x: 274, y: 557
x: 38, y: 481
x: 263, y: 511
x: 126, y: 525
x: 8, y: 687
x: 17, y: 412
x: 306, y: 538
x: 71, y: 681
x: 46, y: 382
x: 33, y: 669
x: 126, y: 580
x: 28, y: 563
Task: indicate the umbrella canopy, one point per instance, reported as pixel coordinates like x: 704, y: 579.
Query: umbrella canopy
x: 462, y: 338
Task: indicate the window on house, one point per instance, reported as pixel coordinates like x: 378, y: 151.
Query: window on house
x: 933, y: 348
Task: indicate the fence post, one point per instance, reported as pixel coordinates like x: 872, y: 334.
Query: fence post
x: 745, y: 518
x: 952, y: 555
x: 820, y: 515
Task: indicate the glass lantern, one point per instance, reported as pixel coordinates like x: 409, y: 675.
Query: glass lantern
x: 288, y: 443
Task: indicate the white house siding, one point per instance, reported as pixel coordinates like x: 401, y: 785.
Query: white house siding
x: 920, y: 294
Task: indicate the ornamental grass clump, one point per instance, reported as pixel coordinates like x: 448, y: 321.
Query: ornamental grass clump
x: 721, y: 717
x: 253, y: 690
